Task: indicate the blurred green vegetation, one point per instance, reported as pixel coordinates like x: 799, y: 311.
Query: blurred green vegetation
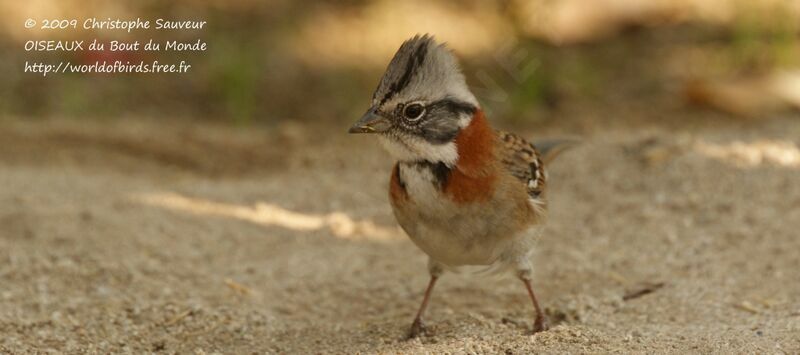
x: 763, y: 38
x: 252, y: 72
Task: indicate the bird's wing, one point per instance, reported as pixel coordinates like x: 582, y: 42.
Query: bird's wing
x: 522, y: 160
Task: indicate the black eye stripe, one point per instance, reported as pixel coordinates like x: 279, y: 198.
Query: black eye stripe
x: 452, y: 106
x: 447, y: 105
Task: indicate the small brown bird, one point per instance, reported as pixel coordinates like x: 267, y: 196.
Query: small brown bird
x: 465, y: 194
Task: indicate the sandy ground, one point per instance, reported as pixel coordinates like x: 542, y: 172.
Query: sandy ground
x: 135, y: 237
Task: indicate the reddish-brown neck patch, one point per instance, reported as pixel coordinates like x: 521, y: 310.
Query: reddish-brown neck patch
x: 475, y: 144
x: 473, y: 177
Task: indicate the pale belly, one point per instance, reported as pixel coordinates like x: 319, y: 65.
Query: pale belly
x: 456, y: 246
x: 455, y: 235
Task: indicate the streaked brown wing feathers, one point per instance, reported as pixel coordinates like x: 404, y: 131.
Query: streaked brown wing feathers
x: 522, y: 160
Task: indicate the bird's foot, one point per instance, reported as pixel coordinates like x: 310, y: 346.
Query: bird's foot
x: 541, y: 324
x: 417, y: 328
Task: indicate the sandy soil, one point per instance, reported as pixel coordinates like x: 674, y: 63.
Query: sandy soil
x: 134, y: 237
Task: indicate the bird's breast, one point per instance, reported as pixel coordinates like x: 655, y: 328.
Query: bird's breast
x: 449, y: 230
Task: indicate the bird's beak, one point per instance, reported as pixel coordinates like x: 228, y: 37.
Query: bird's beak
x: 371, y: 122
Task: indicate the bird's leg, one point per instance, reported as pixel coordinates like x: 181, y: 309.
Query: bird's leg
x: 418, y: 327
x: 540, y: 324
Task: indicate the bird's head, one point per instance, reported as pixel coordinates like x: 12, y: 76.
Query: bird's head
x: 421, y: 104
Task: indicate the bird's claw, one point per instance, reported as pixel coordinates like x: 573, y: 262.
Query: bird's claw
x: 540, y: 324
x: 417, y: 328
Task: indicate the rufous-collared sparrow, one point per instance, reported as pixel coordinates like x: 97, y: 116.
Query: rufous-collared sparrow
x: 465, y: 194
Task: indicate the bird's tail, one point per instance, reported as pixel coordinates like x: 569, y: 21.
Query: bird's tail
x: 551, y: 148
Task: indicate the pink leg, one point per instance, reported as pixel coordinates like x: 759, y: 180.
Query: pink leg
x: 540, y: 324
x: 418, y: 327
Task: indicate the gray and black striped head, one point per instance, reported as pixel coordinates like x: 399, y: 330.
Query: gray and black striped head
x: 421, y: 103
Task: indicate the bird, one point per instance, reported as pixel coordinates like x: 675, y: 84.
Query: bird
x: 469, y: 196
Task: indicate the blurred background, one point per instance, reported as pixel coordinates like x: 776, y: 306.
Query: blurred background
x: 225, y: 210
x: 533, y: 61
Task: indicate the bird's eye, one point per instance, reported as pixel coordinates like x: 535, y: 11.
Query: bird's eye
x: 414, y: 111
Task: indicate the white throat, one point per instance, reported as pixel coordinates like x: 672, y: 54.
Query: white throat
x: 412, y: 149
